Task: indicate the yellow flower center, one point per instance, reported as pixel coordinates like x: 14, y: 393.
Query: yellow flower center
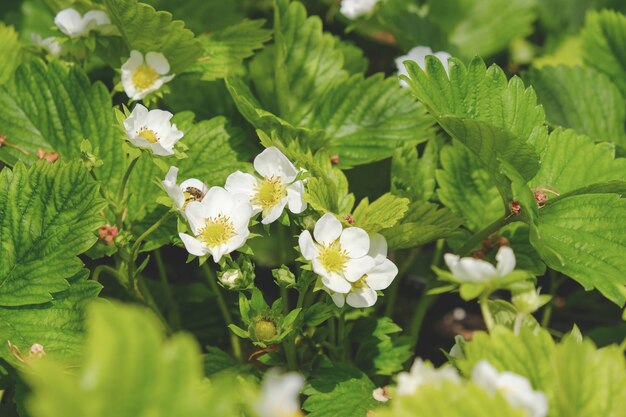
x: 333, y: 258
x: 148, y: 135
x: 217, y: 230
x: 192, y: 194
x: 144, y: 76
x: 269, y: 193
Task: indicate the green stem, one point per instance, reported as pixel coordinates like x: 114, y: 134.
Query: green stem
x: 332, y: 332
x: 342, y: 338
x: 172, y: 308
x: 134, y: 250
x: 392, y: 293
x: 425, y: 300
x: 285, y: 296
x: 102, y: 193
x: 98, y: 270
x: 484, y: 309
x: 129, y: 169
x: 487, y: 231
x: 146, y: 296
x: 547, y: 311
x: 415, y: 325
x: 211, y: 278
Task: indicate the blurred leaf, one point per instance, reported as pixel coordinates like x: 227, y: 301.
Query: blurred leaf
x: 48, y: 216
x: 604, y: 45
x: 130, y: 370
x: 10, y: 53
x: 582, y: 99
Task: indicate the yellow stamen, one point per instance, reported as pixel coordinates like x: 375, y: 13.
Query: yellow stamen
x: 269, y: 193
x: 148, y: 135
x: 333, y: 257
x: 217, y: 230
x: 359, y: 283
x: 144, y: 76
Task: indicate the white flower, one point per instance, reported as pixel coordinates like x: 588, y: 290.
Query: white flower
x: 70, y: 22
x: 363, y: 291
x: 51, y: 44
x: 339, y: 256
x: 515, y: 388
x: 356, y: 8
x: 380, y: 394
x: 280, y: 395
x: 419, y: 54
x: 152, y: 129
x: 188, y: 191
x: 476, y: 270
x: 269, y: 195
x: 141, y: 77
x: 219, y: 223
x: 422, y: 373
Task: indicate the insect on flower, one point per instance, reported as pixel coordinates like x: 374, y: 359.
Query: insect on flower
x: 183, y: 194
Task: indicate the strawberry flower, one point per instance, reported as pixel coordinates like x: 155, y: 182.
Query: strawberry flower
x: 151, y: 129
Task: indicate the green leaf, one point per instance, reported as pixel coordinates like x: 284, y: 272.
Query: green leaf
x: 527, y: 258
x: 10, y: 53
x: 411, y: 176
x: 130, y: 369
x: 366, y: 119
x: 584, y: 236
x: 582, y: 99
x: 595, y: 386
x: 338, y: 391
x: 383, y: 213
x: 380, y: 350
x: 449, y: 400
x: 55, y: 108
x: 528, y: 354
x: 604, y: 45
x: 466, y: 188
x: 484, y: 27
x: 48, y: 215
x: 564, y: 153
x: 363, y: 119
x: 463, y: 104
x: 146, y: 30
x: 56, y: 325
x: 423, y: 223
x: 225, y: 50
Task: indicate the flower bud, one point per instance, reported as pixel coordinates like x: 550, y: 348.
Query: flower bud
x: 230, y: 278
x: 528, y: 302
x: 284, y: 277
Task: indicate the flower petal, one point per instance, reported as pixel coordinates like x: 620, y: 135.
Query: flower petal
x: 70, y: 22
x: 135, y: 60
x: 275, y: 212
x: 272, y: 163
x: 193, y: 245
x: 158, y: 61
x: 241, y: 183
x: 327, y: 229
x: 362, y: 298
x: 506, y: 260
x: 355, y: 241
x: 295, y: 192
x: 338, y: 299
x: 356, y: 268
x: 336, y: 283
x: 196, y: 214
x: 172, y: 189
x: 307, y: 247
x: 382, y: 275
x: 97, y: 16
x: 378, y: 247
x: 159, y: 149
x: 474, y: 270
